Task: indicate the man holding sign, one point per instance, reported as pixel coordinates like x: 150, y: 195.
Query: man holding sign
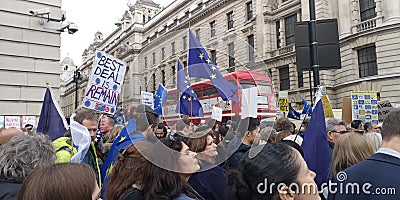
x: 105, y: 83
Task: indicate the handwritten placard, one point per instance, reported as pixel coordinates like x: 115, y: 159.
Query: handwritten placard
x: 105, y: 83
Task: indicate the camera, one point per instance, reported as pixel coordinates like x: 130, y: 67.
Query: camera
x: 39, y: 12
x: 72, y: 28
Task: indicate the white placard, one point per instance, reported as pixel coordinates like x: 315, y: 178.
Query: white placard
x: 12, y: 121
x: 249, y: 102
x: 105, y: 83
x: 217, y: 114
x: 1, y: 121
x: 28, y: 120
x: 147, y: 99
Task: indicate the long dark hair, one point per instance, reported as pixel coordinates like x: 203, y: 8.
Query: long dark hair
x: 276, y: 163
x: 133, y: 167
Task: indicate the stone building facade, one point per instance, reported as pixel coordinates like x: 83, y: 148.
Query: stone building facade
x: 256, y: 35
x: 29, y: 55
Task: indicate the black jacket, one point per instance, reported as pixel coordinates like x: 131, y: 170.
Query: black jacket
x: 9, y: 189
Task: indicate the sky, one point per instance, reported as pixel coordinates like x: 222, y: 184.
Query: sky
x: 91, y: 16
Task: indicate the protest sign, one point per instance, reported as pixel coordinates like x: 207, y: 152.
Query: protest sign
x: 283, y: 101
x: 147, y: 99
x: 1, y: 121
x: 12, y: 121
x: 364, y: 106
x: 384, y: 108
x: 105, y: 83
x: 28, y: 120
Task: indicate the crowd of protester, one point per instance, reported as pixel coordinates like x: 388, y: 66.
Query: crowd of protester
x: 211, y: 160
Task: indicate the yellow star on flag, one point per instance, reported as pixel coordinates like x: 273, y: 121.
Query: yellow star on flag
x: 122, y: 139
x: 201, y: 56
x: 213, y: 76
x: 184, y: 97
x: 190, y: 98
x: 213, y: 68
x: 208, y: 60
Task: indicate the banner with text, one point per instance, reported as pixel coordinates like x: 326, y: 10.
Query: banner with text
x: 283, y: 101
x: 28, y: 120
x: 1, y: 121
x: 105, y: 83
x: 364, y: 106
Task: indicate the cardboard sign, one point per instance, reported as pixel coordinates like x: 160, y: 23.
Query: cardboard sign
x: 12, y: 121
x: 365, y: 106
x: 384, y: 108
x: 283, y: 101
x: 147, y: 98
x: 105, y: 83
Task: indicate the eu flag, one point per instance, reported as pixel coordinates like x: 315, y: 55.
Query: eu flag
x: 189, y: 104
x: 161, y: 96
x: 122, y: 140
x: 51, y: 120
x: 293, y: 114
x: 200, y: 65
x: 306, y: 107
x: 315, y: 146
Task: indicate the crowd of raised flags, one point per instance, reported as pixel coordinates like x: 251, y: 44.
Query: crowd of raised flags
x: 200, y: 65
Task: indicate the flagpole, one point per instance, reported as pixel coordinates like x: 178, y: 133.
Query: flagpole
x: 302, y: 121
x: 46, y: 119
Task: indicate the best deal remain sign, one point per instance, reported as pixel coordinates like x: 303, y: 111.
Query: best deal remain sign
x: 105, y: 83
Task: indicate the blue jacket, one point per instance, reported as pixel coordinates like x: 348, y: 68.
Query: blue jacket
x: 233, y: 161
x: 9, y: 189
x: 210, y: 184
x: 377, y: 174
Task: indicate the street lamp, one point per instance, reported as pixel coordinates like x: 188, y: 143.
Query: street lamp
x: 77, y: 77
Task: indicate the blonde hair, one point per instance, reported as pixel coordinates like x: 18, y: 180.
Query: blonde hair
x: 351, y: 148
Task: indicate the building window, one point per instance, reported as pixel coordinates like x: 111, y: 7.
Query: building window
x: 173, y: 75
x: 249, y: 8
x: 163, y: 77
x: 184, y: 43
x: 173, y: 48
x: 212, y: 27
x: 198, y: 34
x: 231, y: 52
x: 144, y: 19
x: 162, y: 53
x: 367, y: 9
x: 229, y: 18
x: 250, y: 40
x: 278, y: 35
x: 145, y: 84
x: 300, y: 78
x: 284, y: 78
x: 154, y: 58
x: 154, y: 82
x: 214, y: 56
x: 145, y: 62
x: 367, y: 61
x: 290, y: 24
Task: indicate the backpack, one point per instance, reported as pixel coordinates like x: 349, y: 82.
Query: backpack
x: 64, y: 149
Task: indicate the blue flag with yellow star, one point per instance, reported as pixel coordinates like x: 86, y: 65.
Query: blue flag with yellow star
x: 200, y: 65
x: 160, y: 98
x: 189, y: 104
x: 122, y: 140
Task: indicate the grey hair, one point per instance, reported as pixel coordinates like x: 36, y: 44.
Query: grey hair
x: 331, y: 124
x: 23, y: 153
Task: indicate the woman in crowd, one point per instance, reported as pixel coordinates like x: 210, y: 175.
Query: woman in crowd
x: 20, y: 156
x: 351, y: 148
x: 272, y: 174
x: 67, y: 181
x: 146, y: 171
x: 210, y: 182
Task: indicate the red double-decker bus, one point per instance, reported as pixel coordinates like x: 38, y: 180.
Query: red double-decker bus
x: 209, y: 97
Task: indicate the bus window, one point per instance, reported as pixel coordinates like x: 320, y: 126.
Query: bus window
x: 233, y: 82
x: 264, y: 87
x: 171, y: 99
x: 246, y: 83
x: 210, y: 91
x: 198, y: 92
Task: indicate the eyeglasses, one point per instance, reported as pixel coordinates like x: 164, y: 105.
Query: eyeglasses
x: 341, y: 132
